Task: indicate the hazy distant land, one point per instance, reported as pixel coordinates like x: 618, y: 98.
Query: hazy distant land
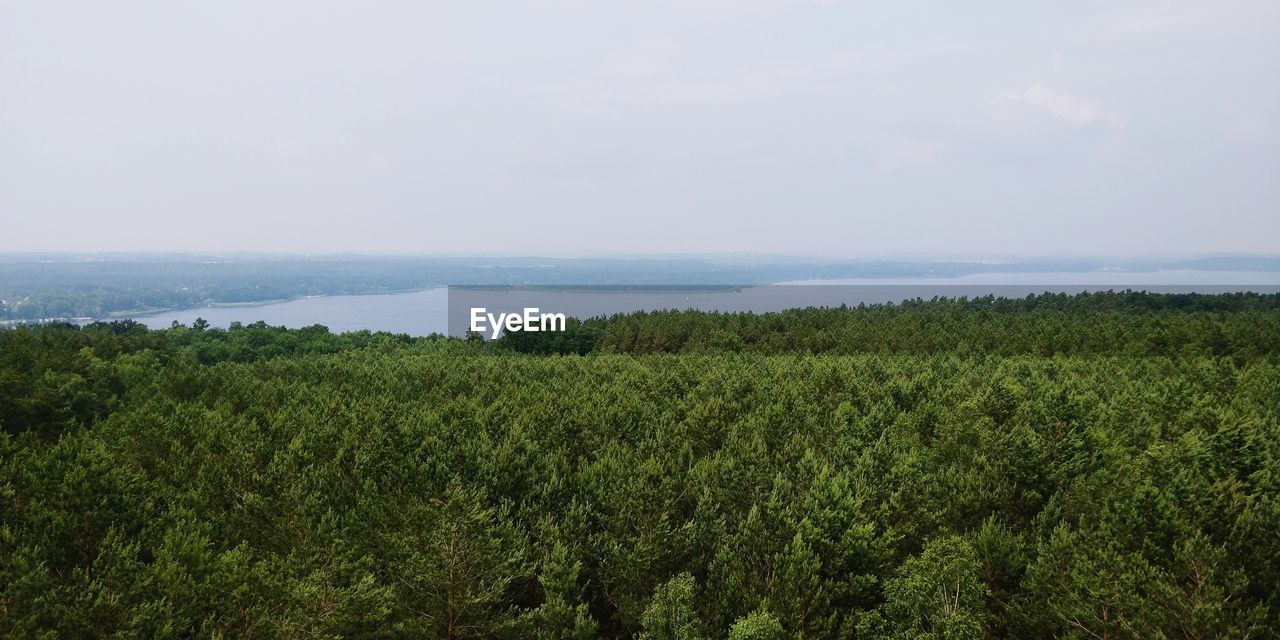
x: 69, y: 286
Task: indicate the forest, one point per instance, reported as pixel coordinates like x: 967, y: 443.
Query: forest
x: 1090, y: 466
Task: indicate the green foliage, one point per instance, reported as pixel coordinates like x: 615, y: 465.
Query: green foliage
x: 1244, y: 325
x: 562, y: 614
x: 671, y: 616
x: 758, y: 625
x: 938, y: 593
x: 271, y: 483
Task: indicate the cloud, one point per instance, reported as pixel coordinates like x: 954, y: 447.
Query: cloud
x: 1073, y: 109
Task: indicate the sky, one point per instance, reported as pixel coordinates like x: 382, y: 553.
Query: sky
x: 568, y: 128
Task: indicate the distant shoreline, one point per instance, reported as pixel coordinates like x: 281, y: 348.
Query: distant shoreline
x: 1078, y: 278
x: 149, y: 313
x: 257, y: 303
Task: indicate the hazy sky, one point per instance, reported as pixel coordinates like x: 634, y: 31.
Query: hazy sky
x: 563, y: 127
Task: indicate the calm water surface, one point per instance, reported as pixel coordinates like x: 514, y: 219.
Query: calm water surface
x: 416, y: 313
x: 423, y: 312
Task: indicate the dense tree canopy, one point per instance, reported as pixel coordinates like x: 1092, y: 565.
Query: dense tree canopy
x: 1109, y: 468
x: 1103, y: 323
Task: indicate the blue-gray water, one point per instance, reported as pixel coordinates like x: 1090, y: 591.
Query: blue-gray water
x: 415, y: 313
x: 424, y: 312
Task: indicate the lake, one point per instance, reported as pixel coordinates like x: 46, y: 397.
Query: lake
x: 415, y: 313
x: 424, y: 312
